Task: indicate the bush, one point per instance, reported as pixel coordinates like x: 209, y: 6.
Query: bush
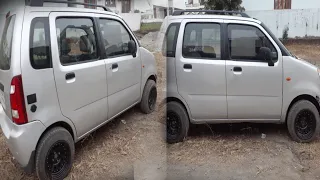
x: 285, y: 33
x: 151, y: 27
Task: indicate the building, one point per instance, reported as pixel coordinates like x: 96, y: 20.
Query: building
x: 156, y: 9
x: 195, y: 4
x: 258, y: 5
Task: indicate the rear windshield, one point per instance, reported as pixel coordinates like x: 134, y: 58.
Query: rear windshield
x: 6, y: 43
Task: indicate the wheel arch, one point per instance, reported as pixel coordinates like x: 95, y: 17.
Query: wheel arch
x: 313, y: 100
x: 59, y: 124
x: 56, y: 124
x: 152, y: 77
x: 175, y: 99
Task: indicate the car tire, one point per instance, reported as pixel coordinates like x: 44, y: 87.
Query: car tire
x: 55, y: 154
x: 177, y: 122
x: 149, y: 97
x: 303, y: 121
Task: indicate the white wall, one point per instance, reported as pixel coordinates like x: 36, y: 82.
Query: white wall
x: 179, y: 4
x: 305, y: 4
x: 252, y: 5
x: 133, y: 20
x: 303, y: 22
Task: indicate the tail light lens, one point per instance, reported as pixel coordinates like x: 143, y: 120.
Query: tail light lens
x: 19, y: 114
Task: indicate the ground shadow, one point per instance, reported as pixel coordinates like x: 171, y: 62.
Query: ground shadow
x: 237, y: 129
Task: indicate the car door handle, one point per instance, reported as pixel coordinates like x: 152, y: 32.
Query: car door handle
x: 114, y: 66
x: 237, y: 69
x: 187, y: 66
x: 70, y: 76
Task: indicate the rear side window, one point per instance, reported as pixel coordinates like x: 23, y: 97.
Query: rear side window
x: 6, y: 43
x: 76, y: 40
x: 202, y: 41
x: 170, y: 40
x: 40, y: 54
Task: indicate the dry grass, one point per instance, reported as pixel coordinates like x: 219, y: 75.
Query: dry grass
x: 305, y: 51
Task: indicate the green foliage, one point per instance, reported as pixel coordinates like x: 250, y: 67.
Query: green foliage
x: 227, y: 5
x: 148, y: 27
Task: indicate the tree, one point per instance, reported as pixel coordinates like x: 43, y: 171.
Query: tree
x: 227, y: 5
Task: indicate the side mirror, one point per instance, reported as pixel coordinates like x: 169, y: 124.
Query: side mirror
x: 266, y: 55
x: 132, y: 48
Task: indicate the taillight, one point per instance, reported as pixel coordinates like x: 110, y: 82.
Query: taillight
x: 19, y: 114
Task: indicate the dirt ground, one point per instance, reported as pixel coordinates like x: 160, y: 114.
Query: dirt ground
x: 132, y: 147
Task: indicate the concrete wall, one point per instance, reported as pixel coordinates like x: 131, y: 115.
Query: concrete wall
x: 133, y: 20
x: 303, y: 22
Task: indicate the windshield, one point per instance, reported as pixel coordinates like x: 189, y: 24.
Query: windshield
x: 6, y: 44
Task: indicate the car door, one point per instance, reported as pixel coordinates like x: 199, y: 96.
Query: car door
x: 200, y: 70
x: 123, y: 69
x: 254, y: 89
x: 80, y: 74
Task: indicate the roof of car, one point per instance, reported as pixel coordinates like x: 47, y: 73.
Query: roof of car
x: 207, y: 16
x: 71, y: 9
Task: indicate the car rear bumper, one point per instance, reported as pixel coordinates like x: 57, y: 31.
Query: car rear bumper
x: 21, y: 139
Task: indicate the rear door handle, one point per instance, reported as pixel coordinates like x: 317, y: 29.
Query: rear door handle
x: 114, y: 66
x: 70, y: 76
x: 187, y: 66
x: 237, y: 69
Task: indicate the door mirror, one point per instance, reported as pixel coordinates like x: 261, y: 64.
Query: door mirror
x: 132, y: 48
x: 266, y: 55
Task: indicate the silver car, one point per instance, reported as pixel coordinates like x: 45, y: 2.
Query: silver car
x: 230, y: 69
x: 64, y: 72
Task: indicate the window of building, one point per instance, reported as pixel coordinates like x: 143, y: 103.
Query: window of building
x: 282, y: 4
x: 90, y: 2
x: 111, y: 3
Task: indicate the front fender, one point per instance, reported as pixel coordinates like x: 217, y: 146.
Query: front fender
x: 304, y: 81
x: 148, y: 66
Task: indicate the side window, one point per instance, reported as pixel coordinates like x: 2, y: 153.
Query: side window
x: 76, y: 40
x: 170, y: 40
x: 245, y: 42
x: 6, y: 43
x: 202, y: 41
x: 115, y: 38
x: 40, y: 56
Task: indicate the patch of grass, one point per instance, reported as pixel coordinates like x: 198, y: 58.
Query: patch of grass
x: 150, y: 27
